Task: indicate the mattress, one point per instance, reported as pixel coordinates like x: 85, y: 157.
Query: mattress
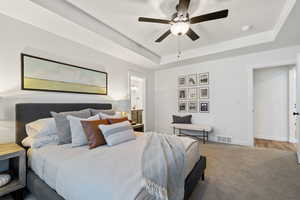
x: 46, y: 161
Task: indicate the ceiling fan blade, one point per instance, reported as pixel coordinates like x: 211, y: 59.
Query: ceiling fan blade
x: 210, y: 16
x: 161, y: 38
x: 152, y: 20
x: 191, y: 34
x: 183, y: 5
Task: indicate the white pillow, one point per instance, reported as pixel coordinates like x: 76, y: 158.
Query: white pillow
x: 39, y: 142
x: 117, y: 133
x: 27, y: 142
x: 41, y: 127
x: 107, y: 116
x: 77, y: 132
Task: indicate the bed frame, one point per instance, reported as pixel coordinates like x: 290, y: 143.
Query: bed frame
x: 26, y: 113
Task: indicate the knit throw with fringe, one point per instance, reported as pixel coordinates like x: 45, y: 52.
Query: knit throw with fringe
x: 163, y: 167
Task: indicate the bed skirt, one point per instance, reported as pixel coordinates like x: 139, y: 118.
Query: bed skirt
x: 42, y: 191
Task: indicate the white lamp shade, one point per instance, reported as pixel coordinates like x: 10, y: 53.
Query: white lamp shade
x: 123, y: 105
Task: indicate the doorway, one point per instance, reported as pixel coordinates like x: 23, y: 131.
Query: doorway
x: 274, y: 104
x: 138, y: 101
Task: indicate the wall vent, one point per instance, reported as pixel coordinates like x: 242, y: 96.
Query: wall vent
x: 223, y: 139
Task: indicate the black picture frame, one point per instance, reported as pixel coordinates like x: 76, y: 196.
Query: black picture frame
x: 23, y: 55
x: 181, y: 105
x: 207, y: 78
x: 204, y: 107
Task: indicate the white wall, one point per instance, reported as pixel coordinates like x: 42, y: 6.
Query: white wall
x: 17, y: 37
x: 271, y: 103
x: 231, y: 92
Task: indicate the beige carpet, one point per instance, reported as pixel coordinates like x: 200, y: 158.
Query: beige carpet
x: 244, y: 173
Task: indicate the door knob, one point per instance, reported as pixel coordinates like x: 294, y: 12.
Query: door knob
x: 295, y: 113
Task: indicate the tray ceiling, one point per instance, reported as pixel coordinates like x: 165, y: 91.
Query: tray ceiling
x: 112, y: 26
x: 123, y: 15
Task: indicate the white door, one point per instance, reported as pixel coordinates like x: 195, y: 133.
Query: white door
x: 298, y: 105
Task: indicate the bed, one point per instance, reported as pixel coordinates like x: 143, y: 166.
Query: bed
x: 40, y: 178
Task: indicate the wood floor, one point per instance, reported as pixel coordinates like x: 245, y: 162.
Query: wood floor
x: 286, y: 146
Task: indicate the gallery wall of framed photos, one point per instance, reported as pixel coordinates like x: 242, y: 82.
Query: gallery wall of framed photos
x: 193, y: 93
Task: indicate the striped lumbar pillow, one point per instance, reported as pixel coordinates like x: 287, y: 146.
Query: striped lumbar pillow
x: 117, y: 133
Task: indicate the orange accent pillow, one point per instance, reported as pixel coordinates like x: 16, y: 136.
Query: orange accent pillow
x: 117, y: 120
x: 94, y: 135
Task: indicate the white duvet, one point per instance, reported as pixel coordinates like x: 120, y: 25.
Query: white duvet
x: 110, y: 173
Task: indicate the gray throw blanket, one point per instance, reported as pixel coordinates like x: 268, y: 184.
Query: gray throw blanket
x: 163, y: 168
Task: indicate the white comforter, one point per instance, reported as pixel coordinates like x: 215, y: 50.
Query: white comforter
x: 110, y: 173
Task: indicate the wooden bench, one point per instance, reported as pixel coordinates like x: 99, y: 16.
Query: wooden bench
x: 203, y: 130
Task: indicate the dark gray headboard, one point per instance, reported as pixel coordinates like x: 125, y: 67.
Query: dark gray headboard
x: 29, y: 112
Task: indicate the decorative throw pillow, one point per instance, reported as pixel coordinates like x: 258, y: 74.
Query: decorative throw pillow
x: 96, y: 111
x: 63, y: 125
x: 78, y: 136
x: 117, y: 120
x: 117, y: 133
x: 93, y: 133
x: 40, y: 141
x: 41, y: 127
x: 27, y: 142
x: 106, y: 116
x: 182, y: 119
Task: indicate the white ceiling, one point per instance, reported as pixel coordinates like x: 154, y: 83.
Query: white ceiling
x: 112, y: 26
x: 123, y: 15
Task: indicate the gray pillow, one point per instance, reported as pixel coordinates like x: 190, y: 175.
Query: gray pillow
x: 117, y: 133
x: 182, y: 119
x: 108, y: 112
x: 77, y: 132
x: 63, y: 124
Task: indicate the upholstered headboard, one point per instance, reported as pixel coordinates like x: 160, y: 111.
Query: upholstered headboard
x: 29, y: 112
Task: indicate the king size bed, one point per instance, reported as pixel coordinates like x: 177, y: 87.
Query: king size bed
x: 58, y: 172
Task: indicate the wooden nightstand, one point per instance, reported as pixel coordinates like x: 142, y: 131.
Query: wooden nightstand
x: 138, y: 127
x: 16, y: 157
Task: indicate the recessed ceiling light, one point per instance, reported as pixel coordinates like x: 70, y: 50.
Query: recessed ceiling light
x: 247, y: 28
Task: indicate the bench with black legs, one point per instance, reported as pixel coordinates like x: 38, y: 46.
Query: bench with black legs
x: 200, y: 131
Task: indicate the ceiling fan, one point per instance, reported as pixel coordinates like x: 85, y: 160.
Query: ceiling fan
x: 180, y: 24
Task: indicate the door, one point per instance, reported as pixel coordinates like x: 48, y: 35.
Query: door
x: 298, y: 105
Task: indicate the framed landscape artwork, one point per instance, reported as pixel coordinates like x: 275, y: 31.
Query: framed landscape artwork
x: 42, y: 74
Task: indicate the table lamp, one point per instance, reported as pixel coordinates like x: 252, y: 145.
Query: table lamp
x: 123, y: 106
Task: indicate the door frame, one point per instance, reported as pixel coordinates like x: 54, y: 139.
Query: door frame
x: 251, y: 92
x: 144, y: 78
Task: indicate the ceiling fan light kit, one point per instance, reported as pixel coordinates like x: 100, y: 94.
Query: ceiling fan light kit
x: 180, y: 28
x: 180, y: 24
